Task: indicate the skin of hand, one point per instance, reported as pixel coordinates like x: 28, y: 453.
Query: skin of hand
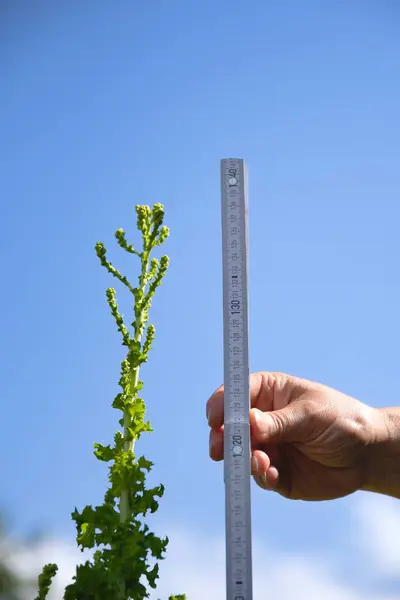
x: 309, y: 441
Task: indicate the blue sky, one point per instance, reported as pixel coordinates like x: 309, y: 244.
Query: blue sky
x: 106, y: 105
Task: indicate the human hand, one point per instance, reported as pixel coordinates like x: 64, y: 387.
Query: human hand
x: 308, y: 441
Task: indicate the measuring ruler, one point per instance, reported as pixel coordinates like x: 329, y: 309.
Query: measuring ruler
x: 239, y: 583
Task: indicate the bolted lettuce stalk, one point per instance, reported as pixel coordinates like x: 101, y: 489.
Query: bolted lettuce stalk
x: 115, y: 529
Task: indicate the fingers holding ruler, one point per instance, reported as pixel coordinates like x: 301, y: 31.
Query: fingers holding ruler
x: 236, y: 380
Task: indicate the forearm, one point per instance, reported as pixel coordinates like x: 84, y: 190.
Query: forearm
x: 383, y: 463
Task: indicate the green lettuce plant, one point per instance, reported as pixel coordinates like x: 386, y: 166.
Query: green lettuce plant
x: 124, y: 545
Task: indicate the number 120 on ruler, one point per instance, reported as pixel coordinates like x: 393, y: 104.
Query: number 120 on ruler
x: 236, y: 380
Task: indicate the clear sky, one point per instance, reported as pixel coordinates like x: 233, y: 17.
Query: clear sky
x: 105, y: 105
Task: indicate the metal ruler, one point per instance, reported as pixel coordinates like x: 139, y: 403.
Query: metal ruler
x: 236, y: 380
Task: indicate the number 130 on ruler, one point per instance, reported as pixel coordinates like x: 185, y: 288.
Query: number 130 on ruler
x: 239, y: 584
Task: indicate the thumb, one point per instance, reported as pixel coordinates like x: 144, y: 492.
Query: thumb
x: 284, y: 425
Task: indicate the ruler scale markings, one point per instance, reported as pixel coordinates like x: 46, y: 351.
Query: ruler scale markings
x: 236, y: 380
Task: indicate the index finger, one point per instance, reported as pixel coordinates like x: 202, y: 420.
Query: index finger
x: 261, y: 396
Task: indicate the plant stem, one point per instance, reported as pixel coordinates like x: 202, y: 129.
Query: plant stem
x: 125, y: 509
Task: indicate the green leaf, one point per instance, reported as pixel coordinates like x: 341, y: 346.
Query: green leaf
x: 152, y: 576
x: 118, y: 441
x: 105, y: 453
x: 135, y: 355
x: 138, y: 387
x: 86, y: 537
x: 145, y: 464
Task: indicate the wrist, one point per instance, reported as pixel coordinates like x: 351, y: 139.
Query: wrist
x: 382, y: 474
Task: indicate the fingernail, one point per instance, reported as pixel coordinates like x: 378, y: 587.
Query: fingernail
x: 264, y: 478
x: 254, y: 464
x: 208, y: 414
x: 210, y: 445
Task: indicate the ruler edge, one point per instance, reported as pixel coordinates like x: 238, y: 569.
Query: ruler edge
x: 245, y: 299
